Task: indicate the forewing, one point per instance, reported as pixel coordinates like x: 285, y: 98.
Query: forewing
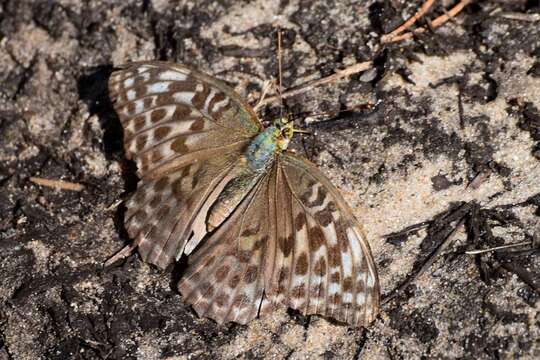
x: 225, y: 278
x: 185, y: 131
x: 173, y: 115
x: 322, y: 263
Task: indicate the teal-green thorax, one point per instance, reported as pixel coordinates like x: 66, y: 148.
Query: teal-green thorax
x: 265, y: 146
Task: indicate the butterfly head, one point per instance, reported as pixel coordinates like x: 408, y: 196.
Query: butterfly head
x: 284, y: 131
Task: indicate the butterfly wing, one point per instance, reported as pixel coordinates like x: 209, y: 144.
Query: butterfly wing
x: 226, y: 276
x: 185, y: 131
x: 322, y: 263
x: 292, y: 242
x: 173, y: 115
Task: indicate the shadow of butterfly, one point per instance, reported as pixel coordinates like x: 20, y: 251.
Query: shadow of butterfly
x: 263, y: 227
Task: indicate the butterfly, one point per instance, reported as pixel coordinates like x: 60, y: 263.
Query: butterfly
x: 262, y: 227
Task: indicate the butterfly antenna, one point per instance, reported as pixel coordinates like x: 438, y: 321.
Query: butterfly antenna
x: 280, y: 55
x: 367, y: 106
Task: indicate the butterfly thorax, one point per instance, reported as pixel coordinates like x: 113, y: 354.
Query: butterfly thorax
x: 258, y: 157
x: 264, y: 147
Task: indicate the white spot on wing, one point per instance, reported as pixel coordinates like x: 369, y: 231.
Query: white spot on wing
x: 184, y: 97
x: 333, y: 288
x: 208, y: 99
x: 330, y: 234
x: 354, y: 241
x: 220, y: 105
x: 159, y: 87
x: 346, y: 263
x: 314, y: 192
x: 173, y: 75
x: 129, y: 82
x: 130, y: 95
x: 139, y: 106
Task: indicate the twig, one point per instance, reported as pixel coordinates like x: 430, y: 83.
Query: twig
x: 266, y: 87
x: 351, y: 70
x: 57, y: 184
x: 519, y: 16
x: 114, y: 205
x: 423, y: 10
x: 431, y: 259
x: 122, y: 254
x: 435, y: 23
x: 507, y: 246
x: 408, y: 229
x: 479, y: 179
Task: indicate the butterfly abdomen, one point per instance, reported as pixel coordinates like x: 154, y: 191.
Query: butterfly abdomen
x: 232, y: 195
x: 262, y: 150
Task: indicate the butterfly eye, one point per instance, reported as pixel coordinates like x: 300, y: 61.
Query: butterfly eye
x: 287, y: 132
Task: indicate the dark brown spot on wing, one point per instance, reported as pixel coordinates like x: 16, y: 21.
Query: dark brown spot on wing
x: 179, y: 145
x: 286, y: 244
x: 222, y: 299
x: 209, y: 261
x: 347, y: 284
x: 334, y: 256
x: 164, y: 99
x: 244, y: 256
x: 140, y: 143
x: 182, y: 86
x: 155, y: 201
x: 283, y: 275
x: 161, y: 184
x: 251, y: 274
x: 130, y: 109
x: 139, y: 122
x: 222, y: 273
x: 320, y: 267
x: 200, y: 97
x: 316, y: 238
x: 157, y: 115
x: 163, y: 211
x: 302, y: 264
x: 240, y: 300
x: 324, y: 217
x: 161, y: 132
x: 298, y: 292
x: 251, y: 230
x: 197, y: 125
x: 181, y: 112
x: 234, y: 280
x: 300, y: 221
x: 321, y: 195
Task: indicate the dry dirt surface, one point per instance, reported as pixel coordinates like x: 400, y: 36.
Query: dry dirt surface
x: 436, y: 148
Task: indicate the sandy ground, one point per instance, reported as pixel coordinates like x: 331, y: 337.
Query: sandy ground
x: 403, y: 142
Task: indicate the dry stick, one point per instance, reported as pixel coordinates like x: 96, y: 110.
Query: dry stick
x: 351, y: 70
x: 280, y: 56
x: 435, y: 23
x: 122, y: 254
x: 431, y: 259
x: 265, y: 89
x: 502, y: 247
x: 57, y: 184
x: 407, y: 24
